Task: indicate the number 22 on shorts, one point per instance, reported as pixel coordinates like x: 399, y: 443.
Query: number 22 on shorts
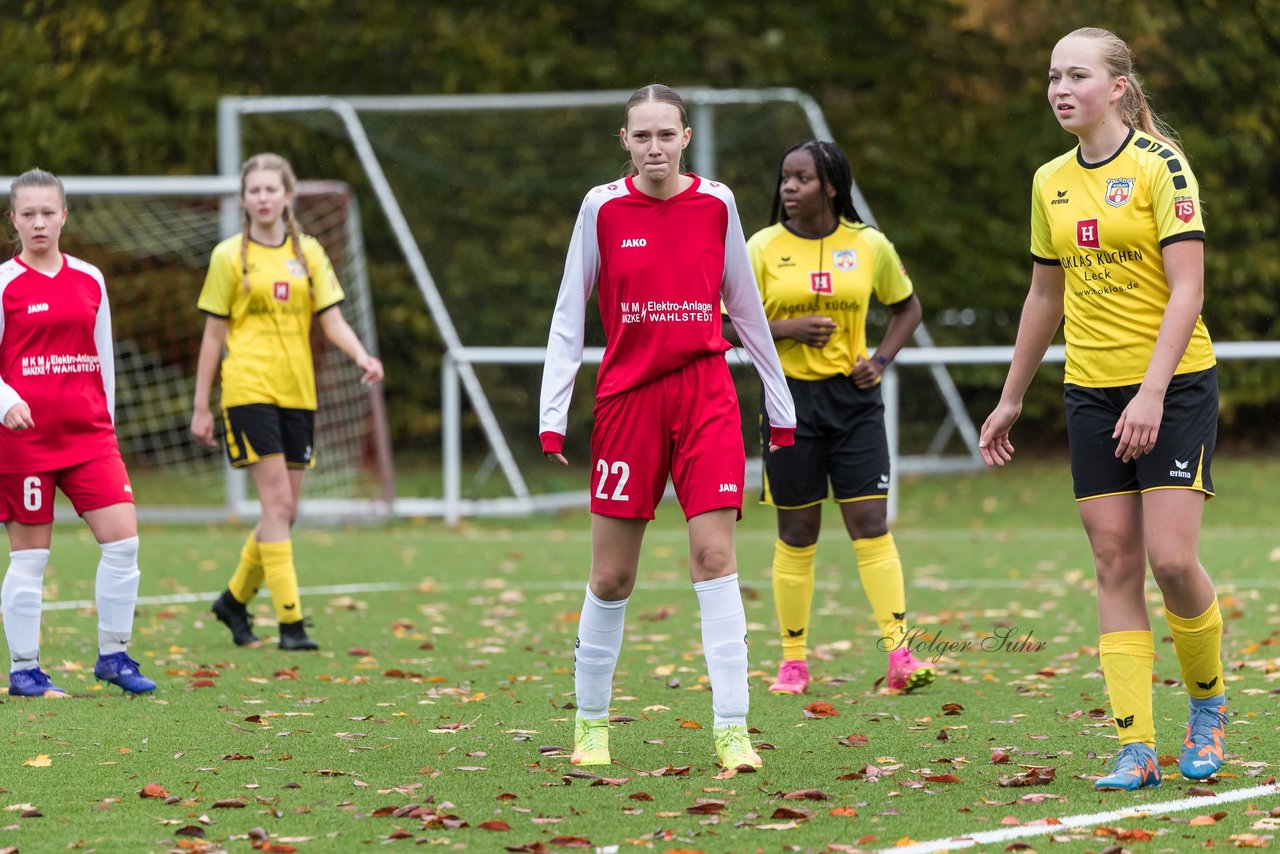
x: 621, y: 471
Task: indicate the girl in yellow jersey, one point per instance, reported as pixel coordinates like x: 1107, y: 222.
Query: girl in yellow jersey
x: 1117, y: 244
x: 817, y: 267
x: 262, y: 290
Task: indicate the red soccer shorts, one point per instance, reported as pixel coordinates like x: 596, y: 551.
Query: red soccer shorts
x: 27, y: 498
x: 684, y: 425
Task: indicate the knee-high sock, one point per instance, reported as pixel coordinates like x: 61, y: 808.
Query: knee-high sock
x: 1128, y: 659
x: 117, y: 594
x: 1198, y: 643
x: 595, y: 654
x: 724, y: 643
x: 793, y: 596
x: 282, y: 579
x: 880, y: 569
x: 21, y: 597
x: 247, y: 578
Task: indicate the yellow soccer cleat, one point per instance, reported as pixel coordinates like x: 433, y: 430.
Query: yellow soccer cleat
x: 733, y: 747
x: 591, y: 742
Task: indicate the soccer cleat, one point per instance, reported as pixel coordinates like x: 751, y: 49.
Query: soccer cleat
x: 591, y: 742
x: 906, y: 673
x: 733, y: 747
x: 121, y: 670
x: 293, y: 636
x: 1206, y: 733
x: 1134, y: 767
x: 793, y: 678
x: 33, y: 683
x: 236, y: 617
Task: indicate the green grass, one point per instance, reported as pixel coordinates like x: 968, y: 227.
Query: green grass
x: 451, y: 691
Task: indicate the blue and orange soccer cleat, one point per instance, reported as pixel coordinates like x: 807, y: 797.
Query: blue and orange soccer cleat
x: 1134, y: 767
x: 33, y: 683
x: 122, y: 671
x: 1201, y: 755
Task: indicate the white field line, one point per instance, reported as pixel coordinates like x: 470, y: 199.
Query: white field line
x: 987, y: 837
x: 578, y: 585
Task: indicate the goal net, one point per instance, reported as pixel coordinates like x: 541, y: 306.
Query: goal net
x: 152, y: 239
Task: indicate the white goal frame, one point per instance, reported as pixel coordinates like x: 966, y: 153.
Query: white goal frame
x: 459, y: 372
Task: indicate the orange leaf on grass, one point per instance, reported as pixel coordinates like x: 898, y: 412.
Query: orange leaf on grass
x: 806, y: 795
x: 494, y: 824
x: 706, y: 807
x: 845, y: 812
x: 820, y: 709
x: 690, y: 725
x: 202, y: 683
x: 572, y: 842
x: 1198, y: 792
x: 942, y: 778
x: 1202, y: 821
x: 153, y: 790
x: 854, y: 740
x: 999, y: 757
x: 788, y: 813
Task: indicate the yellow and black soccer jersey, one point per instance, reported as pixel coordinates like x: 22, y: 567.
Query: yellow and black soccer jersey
x: 833, y: 276
x: 1106, y: 224
x: 269, y: 326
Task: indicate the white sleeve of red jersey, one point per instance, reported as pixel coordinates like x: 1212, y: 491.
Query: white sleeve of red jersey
x: 741, y: 299
x: 8, y: 397
x: 564, y: 345
x: 106, y: 349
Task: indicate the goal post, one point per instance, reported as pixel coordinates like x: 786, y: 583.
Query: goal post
x: 152, y: 236
x: 405, y: 148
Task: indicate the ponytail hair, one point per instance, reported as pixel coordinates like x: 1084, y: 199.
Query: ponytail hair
x: 1135, y: 107
x: 833, y: 171
x: 654, y: 93
x: 275, y: 163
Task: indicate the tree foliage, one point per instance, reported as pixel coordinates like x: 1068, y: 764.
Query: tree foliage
x: 938, y: 102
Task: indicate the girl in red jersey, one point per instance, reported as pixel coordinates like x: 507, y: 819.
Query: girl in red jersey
x: 665, y: 249
x: 57, y: 402
x: 262, y: 290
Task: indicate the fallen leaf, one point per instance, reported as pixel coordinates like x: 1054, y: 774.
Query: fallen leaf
x: 942, y: 778
x: 820, y: 709
x: 494, y: 824
x: 40, y: 761
x: 153, y: 790
x: 806, y: 795
x: 706, y: 807
x: 854, y: 740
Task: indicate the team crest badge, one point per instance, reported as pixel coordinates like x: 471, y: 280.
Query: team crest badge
x: 295, y: 268
x: 1119, y: 190
x: 845, y: 259
x: 281, y: 291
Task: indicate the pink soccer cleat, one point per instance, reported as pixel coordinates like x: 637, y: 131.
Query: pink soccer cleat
x: 793, y: 678
x: 906, y: 673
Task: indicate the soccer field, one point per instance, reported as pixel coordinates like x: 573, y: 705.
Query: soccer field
x: 439, y: 710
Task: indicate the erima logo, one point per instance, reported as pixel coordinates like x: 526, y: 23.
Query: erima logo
x: 37, y: 307
x: 1207, y: 685
x: 289, y: 606
x: 795, y: 633
x: 1124, y: 723
x: 1062, y: 198
x: 1181, y: 470
x: 633, y: 243
x: 899, y: 616
x: 728, y: 487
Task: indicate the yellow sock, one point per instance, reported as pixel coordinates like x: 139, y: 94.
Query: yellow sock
x: 793, y: 596
x: 282, y: 579
x: 880, y: 569
x: 1128, y: 659
x: 1198, y: 643
x: 247, y: 578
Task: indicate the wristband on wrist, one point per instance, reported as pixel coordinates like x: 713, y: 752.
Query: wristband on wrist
x: 882, y: 361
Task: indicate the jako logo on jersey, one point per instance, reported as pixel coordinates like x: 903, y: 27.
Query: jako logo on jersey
x: 1184, y: 208
x: 1181, y: 470
x: 1087, y: 234
x: 37, y: 307
x: 820, y: 283
x: 633, y: 243
x: 845, y: 259
x: 1119, y: 190
x: 281, y: 291
x: 728, y: 487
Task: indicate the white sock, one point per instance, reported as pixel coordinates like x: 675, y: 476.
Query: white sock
x: 21, y: 597
x: 596, y: 654
x: 117, y: 594
x: 724, y: 643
